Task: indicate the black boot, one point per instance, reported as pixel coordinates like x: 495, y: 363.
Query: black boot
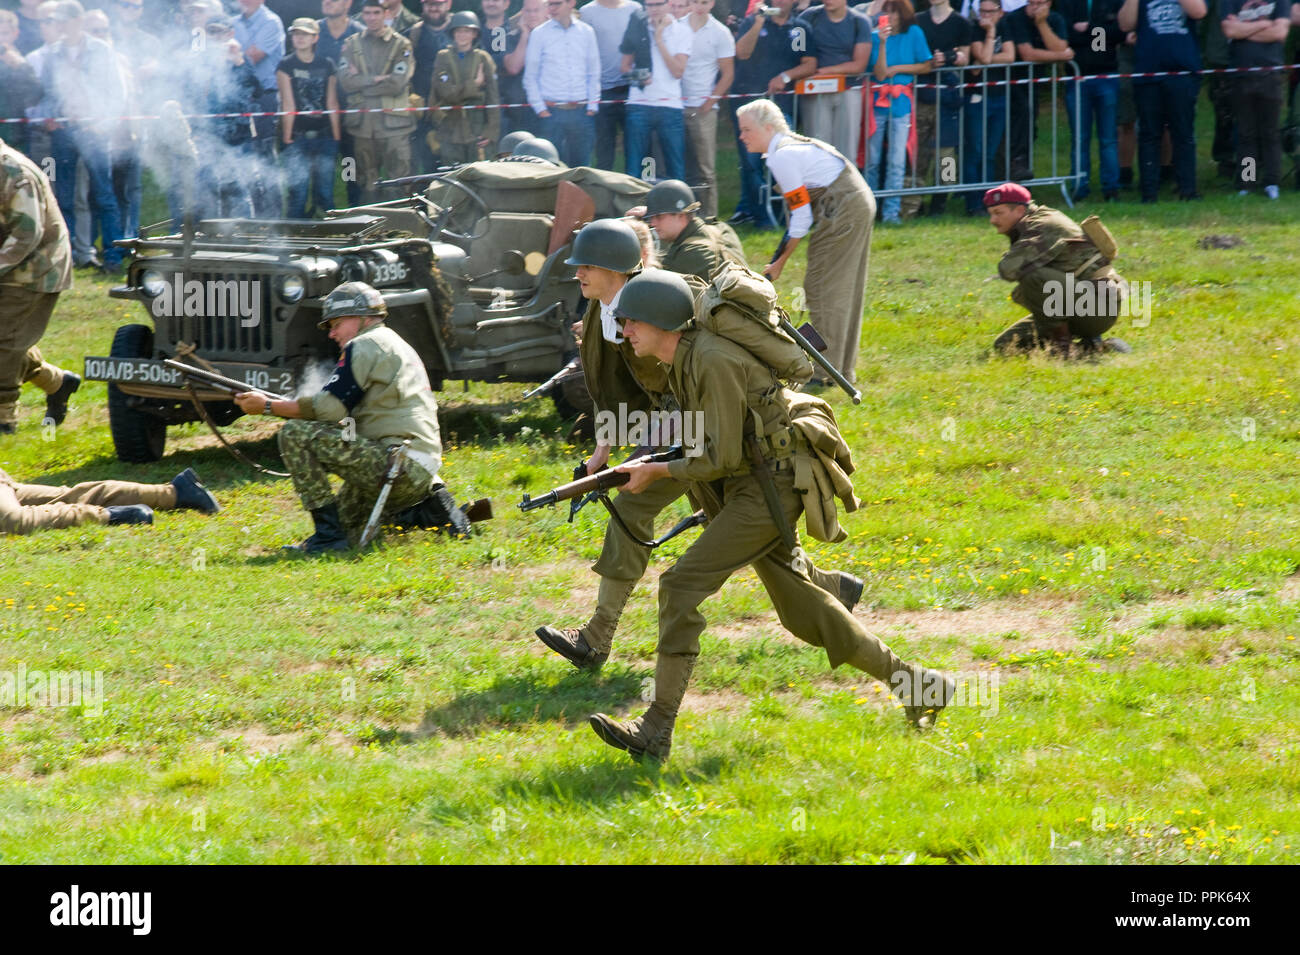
x: 56, y: 404
x: 130, y: 514
x: 191, y: 493
x: 850, y: 590
x: 437, y: 511
x: 329, y: 535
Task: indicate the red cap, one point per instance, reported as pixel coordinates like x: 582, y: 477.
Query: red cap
x: 1011, y: 192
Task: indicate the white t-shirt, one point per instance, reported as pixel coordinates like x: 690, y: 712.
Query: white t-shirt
x: 663, y: 89
x: 710, y: 43
x: 801, y: 164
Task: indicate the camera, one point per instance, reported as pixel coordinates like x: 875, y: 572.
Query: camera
x: 768, y: 11
x: 640, y: 77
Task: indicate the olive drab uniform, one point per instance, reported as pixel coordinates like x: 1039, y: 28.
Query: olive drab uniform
x: 701, y: 248
x: 1051, y: 260
x: 839, y: 246
x: 739, y: 397
x: 458, y: 131
x: 32, y: 507
x: 35, y: 266
x: 382, y: 139
x: 380, y: 394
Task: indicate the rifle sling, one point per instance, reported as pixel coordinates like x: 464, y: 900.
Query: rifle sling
x: 238, y: 455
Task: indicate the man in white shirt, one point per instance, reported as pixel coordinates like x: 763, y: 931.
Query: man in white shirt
x: 824, y: 189
x: 710, y: 69
x: 609, y: 18
x: 562, y: 81
x: 654, y: 102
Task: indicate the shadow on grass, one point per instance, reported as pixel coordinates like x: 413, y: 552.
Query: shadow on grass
x: 610, y: 780
x: 488, y: 423
x: 517, y: 700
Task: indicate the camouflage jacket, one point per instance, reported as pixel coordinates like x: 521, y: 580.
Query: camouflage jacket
x: 700, y: 250
x: 453, y: 85
x: 1046, y: 238
x: 34, y: 249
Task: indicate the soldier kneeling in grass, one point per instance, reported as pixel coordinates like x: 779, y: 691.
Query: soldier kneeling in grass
x: 1052, y: 259
x: 380, y: 387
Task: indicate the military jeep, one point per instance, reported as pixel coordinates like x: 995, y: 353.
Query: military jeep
x: 471, y: 268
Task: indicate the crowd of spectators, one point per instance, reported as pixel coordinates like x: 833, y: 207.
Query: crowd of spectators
x: 904, y: 92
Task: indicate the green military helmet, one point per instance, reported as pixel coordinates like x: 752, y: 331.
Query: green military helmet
x: 659, y: 298
x: 607, y: 244
x: 464, y: 18
x: 669, y: 196
x: 353, y: 298
x: 538, y: 149
x: 510, y: 140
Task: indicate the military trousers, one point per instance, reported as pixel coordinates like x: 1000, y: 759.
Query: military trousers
x: 1053, y: 318
x: 313, y: 450
x: 25, y: 508
x: 741, y: 531
x: 835, y: 283
x: 24, y: 316
x: 387, y: 157
x: 702, y: 157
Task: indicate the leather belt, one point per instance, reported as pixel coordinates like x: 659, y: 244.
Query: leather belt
x: 577, y: 105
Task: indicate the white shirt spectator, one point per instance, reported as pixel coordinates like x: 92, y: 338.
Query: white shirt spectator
x: 710, y: 43
x: 801, y: 164
x: 81, y: 82
x: 664, y: 89
x: 562, y: 66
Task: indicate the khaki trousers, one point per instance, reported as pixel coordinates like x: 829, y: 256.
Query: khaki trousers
x: 702, y: 157
x: 387, y: 157
x: 32, y: 507
x: 740, y: 532
x: 835, y: 283
x: 24, y: 316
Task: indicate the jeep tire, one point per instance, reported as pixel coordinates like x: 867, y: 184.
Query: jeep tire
x: 138, y: 437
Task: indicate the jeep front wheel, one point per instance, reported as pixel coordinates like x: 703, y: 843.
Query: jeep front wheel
x: 138, y: 437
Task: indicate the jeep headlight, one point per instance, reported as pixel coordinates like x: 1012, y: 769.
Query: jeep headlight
x: 153, y: 283
x: 291, y: 288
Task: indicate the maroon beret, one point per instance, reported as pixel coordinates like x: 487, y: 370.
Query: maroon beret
x: 1011, y: 192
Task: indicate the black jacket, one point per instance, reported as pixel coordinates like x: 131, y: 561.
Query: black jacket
x: 1104, y: 17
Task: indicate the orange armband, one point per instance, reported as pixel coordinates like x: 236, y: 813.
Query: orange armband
x: 797, y: 199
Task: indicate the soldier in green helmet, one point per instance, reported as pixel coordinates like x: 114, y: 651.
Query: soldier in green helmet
x: 380, y: 395
x: 607, y: 254
x: 537, y: 149
x: 744, y: 407
x: 692, y: 246
x: 465, y: 78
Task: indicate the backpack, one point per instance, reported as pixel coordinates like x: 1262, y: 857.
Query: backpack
x: 753, y: 321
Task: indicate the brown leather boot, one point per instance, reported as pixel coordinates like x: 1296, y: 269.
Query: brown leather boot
x: 587, y: 648
x: 651, y: 733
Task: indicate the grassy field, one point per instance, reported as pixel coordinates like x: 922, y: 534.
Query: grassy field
x: 1105, y: 552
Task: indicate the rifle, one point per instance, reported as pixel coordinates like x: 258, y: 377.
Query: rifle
x: 411, y: 180
x: 599, y: 485
x: 213, y: 380
x: 395, y: 461
x: 810, y: 340
x: 571, y: 370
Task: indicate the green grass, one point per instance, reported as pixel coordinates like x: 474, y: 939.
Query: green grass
x: 1114, y: 544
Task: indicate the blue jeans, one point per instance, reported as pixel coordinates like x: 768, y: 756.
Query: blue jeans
x: 309, y: 164
x: 67, y: 146
x: 986, y: 123
x: 898, y: 128
x: 642, y: 121
x: 126, y: 186
x: 572, y: 132
x: 1098, y: 101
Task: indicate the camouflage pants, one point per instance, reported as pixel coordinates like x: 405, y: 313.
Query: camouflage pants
x: 24, y: 316
x: 924, y: 172
x: 313, y: 450
x: 32, y: 507
x: 1040, y: 329
x: 391, y: 155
